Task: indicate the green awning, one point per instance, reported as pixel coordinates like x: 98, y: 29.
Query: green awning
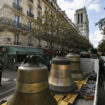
x: 12, y: 50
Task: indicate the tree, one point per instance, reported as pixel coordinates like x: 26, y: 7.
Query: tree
x: 55, y: 30
x: 101, y: 46
x: 101, y: 24
x: 49, y: 25
x: 37, y: 30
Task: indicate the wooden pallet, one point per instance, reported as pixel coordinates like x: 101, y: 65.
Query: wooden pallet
x: 69, y: 99
x: 5, y: 103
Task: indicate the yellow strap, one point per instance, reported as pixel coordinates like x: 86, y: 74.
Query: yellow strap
x: 5, y: 103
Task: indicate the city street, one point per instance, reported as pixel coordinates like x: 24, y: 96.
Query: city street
x: 8, y: 83
x: 66, y: 36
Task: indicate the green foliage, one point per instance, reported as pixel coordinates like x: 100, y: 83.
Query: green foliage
x: 54, y: 29
x: 101, y: 46
x: 101, y: 25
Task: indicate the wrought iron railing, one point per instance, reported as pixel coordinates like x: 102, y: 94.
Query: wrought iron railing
x: 14, y: 24
x: 31, y: 1
x: 30, y: 14
x: 17, y: 7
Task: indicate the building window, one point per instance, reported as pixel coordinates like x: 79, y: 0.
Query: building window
x: 16, y: 38
x: 29, y: 12
x: 29, y: 9
x: 16, y: 5
x: 16, y: 2
x: 30, y: 42
x: 39, y: 5
x: 31, y: 1
x: 38, y: 2
x: 46, y: 9
x: 8, y: 39
x: 78, y: 18
x: 55, y: 1
x: 29, y: 25
x: 39, y: 14
x: 16, y: 21
x: 81, y: 17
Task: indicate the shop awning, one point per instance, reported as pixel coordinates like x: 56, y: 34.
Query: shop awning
x: 12, y: 50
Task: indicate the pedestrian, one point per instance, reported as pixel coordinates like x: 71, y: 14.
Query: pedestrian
x: 22, y: 63
x: 48, y: 65
x: 1, y: 70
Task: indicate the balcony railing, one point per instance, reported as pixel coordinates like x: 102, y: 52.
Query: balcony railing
x: 17, y: 7
x: 51, y: 4
x: 30, y: 14
x: 31, y: 1
x: 13, y: 24
x: 29, y: 28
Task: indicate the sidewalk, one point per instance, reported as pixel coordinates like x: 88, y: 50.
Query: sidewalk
x: 8, y: 83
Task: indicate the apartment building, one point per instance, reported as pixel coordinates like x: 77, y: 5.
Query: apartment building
x: 16, y: 18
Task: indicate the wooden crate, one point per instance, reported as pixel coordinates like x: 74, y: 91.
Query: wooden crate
x: 69, y: 99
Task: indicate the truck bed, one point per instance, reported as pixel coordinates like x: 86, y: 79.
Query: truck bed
x: 84, y: 102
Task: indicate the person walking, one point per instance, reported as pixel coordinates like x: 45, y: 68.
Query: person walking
x: 1, y: 70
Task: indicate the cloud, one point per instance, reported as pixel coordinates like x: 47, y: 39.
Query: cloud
x: 94, y: 7
x: 71, y: 6
x: 95, y: 38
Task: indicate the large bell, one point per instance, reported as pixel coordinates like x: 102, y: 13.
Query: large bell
x: 75, y: 66
x: 32, y: 85
x: 60, y: 80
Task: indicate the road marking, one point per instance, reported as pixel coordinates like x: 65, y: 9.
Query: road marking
x: 8, y: 79
x: 3, y: 93
x: 14, y: 79
x: 5, y: 79
x: 6, y: 82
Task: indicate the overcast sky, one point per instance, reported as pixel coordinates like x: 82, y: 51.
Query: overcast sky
x: 95, y: 11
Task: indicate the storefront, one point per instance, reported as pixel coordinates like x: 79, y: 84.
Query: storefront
x: 12, y: 56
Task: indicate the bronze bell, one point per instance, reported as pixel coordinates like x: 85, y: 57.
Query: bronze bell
x: 75, y: 66
x: 32, y: 85
x: 60, y: 80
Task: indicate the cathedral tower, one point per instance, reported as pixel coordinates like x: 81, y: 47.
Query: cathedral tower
x: 82, y: 22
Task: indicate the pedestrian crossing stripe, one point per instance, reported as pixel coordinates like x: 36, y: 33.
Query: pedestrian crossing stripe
x: 7, y: 79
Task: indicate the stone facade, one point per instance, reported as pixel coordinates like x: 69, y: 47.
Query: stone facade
x: 82, y: 22
x: 16, y: 19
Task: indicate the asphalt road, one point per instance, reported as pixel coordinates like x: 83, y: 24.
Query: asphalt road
x: 5, y: 92
x: 8, y: 83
